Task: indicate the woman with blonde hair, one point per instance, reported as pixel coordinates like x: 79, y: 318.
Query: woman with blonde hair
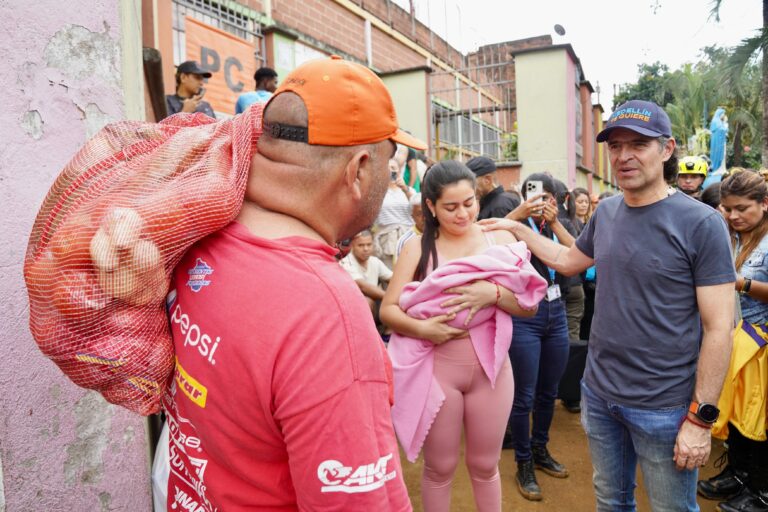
x: 744, y: 481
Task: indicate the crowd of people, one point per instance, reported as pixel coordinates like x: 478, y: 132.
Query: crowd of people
x: 463, y: 309
x: 190, y: 90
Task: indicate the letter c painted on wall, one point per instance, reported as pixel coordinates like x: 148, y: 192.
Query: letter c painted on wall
x: 228, y: 64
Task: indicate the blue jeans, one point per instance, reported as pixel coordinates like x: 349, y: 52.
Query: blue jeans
x: 539, y: 355
x: 621, y: 436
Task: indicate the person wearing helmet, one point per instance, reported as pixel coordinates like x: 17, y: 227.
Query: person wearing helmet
x: 691, y: 175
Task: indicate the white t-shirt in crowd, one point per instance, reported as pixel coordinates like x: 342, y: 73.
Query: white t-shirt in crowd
x: 396, y: 209
x: 375, y: 270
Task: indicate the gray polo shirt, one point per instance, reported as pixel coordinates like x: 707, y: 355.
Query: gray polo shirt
x: 646, y: 331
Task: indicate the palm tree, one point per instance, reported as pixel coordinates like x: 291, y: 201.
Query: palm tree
x: 688, y: 92
x: 741, y: 56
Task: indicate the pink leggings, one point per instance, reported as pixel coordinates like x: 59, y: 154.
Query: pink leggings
x: 483, y: 411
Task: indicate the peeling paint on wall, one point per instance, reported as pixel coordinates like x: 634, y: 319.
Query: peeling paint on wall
x: 53, y: 427
x: 63, y: 448
x: 106, y: 501
x: 80, y: 53
x: 95, y: 119
x: 32, y: 124
x: 128, y: 435
x: 85, y: 459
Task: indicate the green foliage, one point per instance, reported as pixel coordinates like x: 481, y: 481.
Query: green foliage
x: 650, y: 86
x: 509, y: 147
x: 722, y: 77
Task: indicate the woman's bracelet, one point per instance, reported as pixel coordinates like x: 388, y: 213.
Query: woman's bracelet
x: 745, y: 286
x: 498, y: 294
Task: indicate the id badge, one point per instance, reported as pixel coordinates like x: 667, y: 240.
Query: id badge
x: 553, y: 292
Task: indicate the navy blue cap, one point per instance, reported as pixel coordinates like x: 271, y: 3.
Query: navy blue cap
x: 481, y: 165
x: 191, y: 67
x: 643, y: 117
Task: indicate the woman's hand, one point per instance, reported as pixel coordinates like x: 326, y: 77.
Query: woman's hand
x: 549, y: 213
x: 533, y: 206
x: 474, y: 296
x: 437, y: 330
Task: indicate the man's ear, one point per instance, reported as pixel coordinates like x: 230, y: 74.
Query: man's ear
x: 357, y: 173
x: 669, y: 148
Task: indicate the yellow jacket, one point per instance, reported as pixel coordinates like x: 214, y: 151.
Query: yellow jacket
x: 743, y: 399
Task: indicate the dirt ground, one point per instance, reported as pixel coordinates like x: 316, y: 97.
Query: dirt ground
x: 573, y: 494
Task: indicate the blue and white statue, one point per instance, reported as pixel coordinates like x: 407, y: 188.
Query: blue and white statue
x: 719, y: 135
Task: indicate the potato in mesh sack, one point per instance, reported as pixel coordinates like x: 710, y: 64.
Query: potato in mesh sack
x: 113, y: 226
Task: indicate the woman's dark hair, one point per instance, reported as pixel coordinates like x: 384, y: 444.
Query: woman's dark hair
x: 545, y: 179
x: 606, y: 195
x: 439, y: 176
x: 579, y: 191
x: 752, y: 186
x: 711, y: 195
x: 566, y: 204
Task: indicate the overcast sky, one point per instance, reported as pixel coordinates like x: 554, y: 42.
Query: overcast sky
x: 610, y: 37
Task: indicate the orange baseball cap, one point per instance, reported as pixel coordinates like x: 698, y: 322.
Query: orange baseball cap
x: 348, y: 105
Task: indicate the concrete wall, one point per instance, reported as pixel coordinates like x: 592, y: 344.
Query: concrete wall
x: 542, y: 102
x: 69, y: 68
x: 409, y: 93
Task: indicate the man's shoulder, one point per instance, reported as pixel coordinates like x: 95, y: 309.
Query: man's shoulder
x: 505, y: 197
x: 348, y: 261
x: 690, y: 212
x: 376, y: 261
x: 174, y: 103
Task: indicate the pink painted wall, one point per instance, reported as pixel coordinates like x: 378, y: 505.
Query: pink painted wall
x: 572, y: 105
x: 587, y: 128
x: 61, y: 448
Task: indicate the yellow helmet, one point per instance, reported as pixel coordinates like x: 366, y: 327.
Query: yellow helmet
x: 693, y: 165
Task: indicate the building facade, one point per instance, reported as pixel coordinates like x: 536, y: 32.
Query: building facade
x: 462, y: 105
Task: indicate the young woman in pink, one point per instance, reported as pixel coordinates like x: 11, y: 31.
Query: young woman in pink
x: 472, y: 401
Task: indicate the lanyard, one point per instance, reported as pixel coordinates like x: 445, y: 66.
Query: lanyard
x: 554, y: 237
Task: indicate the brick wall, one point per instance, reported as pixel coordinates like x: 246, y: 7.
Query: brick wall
x: 329, y: 22
x: 324, y: 21
x: 499, y: 58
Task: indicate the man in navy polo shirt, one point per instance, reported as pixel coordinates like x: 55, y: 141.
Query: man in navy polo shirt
x: 661, y: 335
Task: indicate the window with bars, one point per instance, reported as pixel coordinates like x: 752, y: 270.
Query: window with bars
x: 228, y: 16
x: 459, y: 131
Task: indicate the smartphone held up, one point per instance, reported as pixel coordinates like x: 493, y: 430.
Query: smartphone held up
x: 534, y: 188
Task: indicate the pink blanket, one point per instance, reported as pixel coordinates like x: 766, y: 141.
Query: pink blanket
x: 418, y: 396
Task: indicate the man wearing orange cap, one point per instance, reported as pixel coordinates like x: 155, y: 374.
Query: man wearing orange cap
x: 282, y: 395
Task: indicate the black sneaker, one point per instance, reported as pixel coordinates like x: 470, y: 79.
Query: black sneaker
x: 746, y: 501
x: 725, y: 485
x: 544, y: 461
x: 573, y: 406
x: 526, y: 481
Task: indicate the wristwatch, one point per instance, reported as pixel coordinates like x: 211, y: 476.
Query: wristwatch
x: 707, y: 413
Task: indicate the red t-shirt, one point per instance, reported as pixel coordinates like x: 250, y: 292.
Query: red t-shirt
x: 282, y: 392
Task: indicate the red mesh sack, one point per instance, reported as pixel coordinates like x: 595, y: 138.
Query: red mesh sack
x: 113, y: 226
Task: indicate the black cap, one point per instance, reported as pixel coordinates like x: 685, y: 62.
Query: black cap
x: 481, y: 165
x: 191, y: 67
